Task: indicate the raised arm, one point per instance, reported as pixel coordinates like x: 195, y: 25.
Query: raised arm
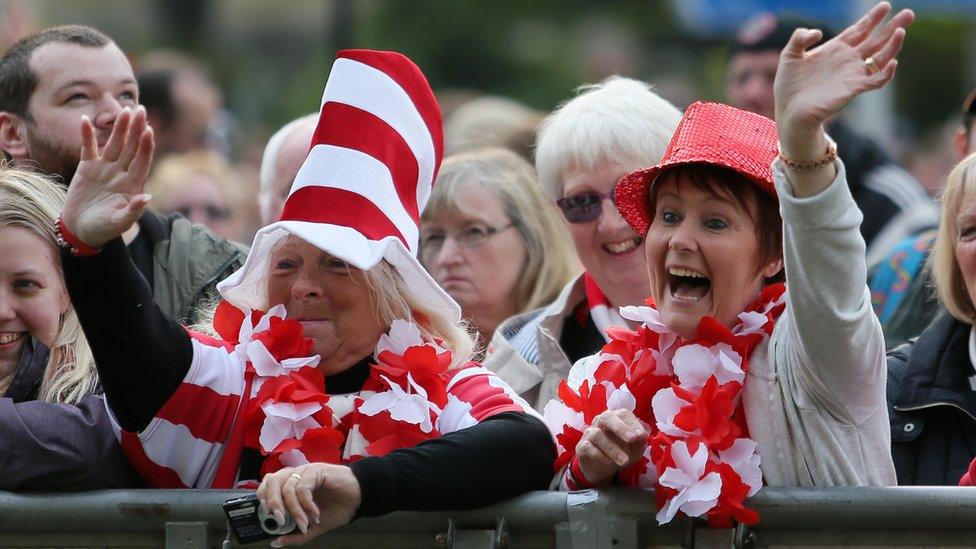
x: 141, y: 354
x: 814, y: 83
x: 836, y: 345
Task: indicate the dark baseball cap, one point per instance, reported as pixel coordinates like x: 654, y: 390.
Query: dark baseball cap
x: 768, y: 31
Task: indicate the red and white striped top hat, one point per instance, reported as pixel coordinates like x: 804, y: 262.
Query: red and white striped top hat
x: 367, y: 177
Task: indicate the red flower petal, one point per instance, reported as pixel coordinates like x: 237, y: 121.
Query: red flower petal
x: 227, y: 321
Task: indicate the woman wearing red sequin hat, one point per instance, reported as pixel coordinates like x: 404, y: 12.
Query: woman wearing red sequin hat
x: 735, y: 380
x: 342, y: 375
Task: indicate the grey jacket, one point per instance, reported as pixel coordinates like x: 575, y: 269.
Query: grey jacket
x: 525, y: 352
x: 814, y: 396
x: 188, y: 262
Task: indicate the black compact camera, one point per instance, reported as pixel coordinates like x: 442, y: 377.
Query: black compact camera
x: 250, y: 521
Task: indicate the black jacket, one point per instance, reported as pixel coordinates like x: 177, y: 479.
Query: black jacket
x: 931, y: 406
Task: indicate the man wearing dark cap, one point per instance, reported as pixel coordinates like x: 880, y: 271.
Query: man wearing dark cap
x: 894, y: 204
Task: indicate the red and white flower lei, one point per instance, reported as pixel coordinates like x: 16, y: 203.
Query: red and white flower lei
x: 688, y: 396
x: 291, y: 419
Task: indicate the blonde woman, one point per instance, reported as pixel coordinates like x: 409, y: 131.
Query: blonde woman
x: 61, y: 434
x: 342, y: 370
x: 930, y: 395
x: 491, y: 241
x: 35, y: 313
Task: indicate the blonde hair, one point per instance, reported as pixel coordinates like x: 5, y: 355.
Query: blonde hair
x: 31, y: 201
x: 551, y: 262
x: 174, y: 172
x: 393, y: 299
x: 943, y: 263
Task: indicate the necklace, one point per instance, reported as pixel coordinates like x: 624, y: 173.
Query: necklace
x: 687, y: 393
x: 291, y: 420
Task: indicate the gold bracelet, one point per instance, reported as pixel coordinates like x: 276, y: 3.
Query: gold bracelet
x: 811, y: 165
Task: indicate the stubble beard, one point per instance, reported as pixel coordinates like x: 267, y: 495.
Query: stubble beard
x: 53, y: 159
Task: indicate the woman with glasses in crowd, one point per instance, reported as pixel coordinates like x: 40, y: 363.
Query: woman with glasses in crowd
x: 584, y: 147
x: 489, y: 239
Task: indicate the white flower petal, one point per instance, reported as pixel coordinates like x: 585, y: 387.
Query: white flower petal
x: 647, y: 315
x: 670, y: 508
x: 744, y: 460
x: 750, y: 322
x: 274, y: 430
x: 691, y: 465
x: 666, y: 405
x: 694, y: 364
x: 401, y: 336
x: 355, y: 444
x: 730, y: 363
x: 264, y: 364
x: 455, y: 416
x: 556, y: 415
x: 621, y: 399
x: 675, y: 478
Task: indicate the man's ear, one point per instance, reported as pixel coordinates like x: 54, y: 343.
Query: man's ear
x: 13, y: 138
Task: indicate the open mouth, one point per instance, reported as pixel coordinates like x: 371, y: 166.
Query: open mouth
x: 624, y: 246
x: 8, y: 337
x: 686, y: 285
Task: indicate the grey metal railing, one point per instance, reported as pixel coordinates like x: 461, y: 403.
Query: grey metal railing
x: 894, y: 517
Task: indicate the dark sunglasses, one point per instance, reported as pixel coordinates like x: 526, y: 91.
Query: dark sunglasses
x: 584, y: 207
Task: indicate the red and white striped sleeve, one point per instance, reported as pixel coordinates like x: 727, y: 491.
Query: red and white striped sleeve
x: 474, y: 394
x: 182, y: 445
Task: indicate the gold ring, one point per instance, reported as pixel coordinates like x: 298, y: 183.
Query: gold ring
x: 296, y: 476
x: 871, y: 66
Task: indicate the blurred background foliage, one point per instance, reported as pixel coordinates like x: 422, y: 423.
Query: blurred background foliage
x: 270, y: 58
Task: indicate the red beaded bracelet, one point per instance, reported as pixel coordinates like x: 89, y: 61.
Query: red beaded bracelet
x: 67, y: 239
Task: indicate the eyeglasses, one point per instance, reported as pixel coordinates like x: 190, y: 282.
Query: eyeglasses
x: 470, y: 237
x: 212, y: 212
x: 585, y: 207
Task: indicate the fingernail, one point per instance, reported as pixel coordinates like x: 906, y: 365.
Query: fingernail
x: 279, y: 517
x: 317, y: 521
x: 303, y: 527
x: 276, y: 543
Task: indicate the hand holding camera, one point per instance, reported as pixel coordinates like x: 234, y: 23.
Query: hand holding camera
x: 317, y: 497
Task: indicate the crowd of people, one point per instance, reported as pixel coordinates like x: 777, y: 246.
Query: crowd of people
x: 441, y: 314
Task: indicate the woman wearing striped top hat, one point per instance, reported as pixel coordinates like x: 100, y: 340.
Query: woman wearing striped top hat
x: 340, y: 370
x: 734, y: 380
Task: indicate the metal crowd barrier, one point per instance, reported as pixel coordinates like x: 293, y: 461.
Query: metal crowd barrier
x: 619, y: 519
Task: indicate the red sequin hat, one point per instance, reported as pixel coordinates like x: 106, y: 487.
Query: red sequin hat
x: 709, y: 133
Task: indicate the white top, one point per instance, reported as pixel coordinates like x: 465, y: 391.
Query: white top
x: 814, y: 396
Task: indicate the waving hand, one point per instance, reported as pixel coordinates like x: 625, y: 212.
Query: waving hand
x: 106, y: 196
